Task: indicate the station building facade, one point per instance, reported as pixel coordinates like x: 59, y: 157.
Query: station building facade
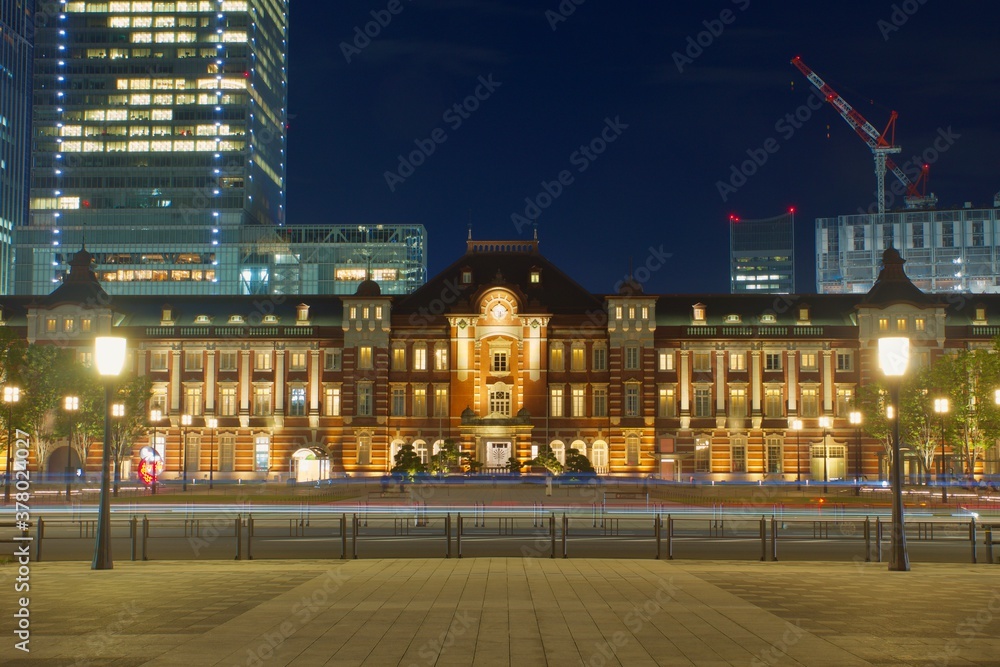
x: 504, y: 353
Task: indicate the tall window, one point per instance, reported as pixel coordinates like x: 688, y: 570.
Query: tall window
x: 158, y: 360
x: 331, y: 360
x: 227, y: 401
x: 331, y: 402
x: 158, y: 401
x: 364, y: 407
x: 775, y: 455
x: 632, y: 400
x: 227, y: 453
x: 772, y: 361
x: 500, y: 401
x: 738, y: 403
x: 810, y: 402
x: 556, y: 402
x: 845, y: 400
x: 703, y: 402
x: 192, y: 400
x: 578, y: 358
x: 579, y: 402
x: 193, y: 360
x: 845, y: 361
x: 773, y: 405
x: 499, y: 361
x: 556, y: 355
x: 600, y: 358
x: 978, y: 235
x: 262, y: 453
x: 365, y: 357
x: 632, y: 450
x: 297, y: 402
x: 600, y: 402
x: 859, y: 237
x: 702, y: 455
x: 440, y: 401
x: 420, y: 402
x: 947, y: 235
x: 702, y: 361
x: 364, y: 449
x: 440, y: 358
x: 809, y: 361
x: 398, y: 404
x: 192, y: 453
x: 918, y: 235
x: 297, y: 361
x: 737, y: 361
x: 665, y: 403
x: 262, y: 361
x: 262, y: 401
x: 419, y: 358
x: 227, y: 360
x: 399, y: 358
x: 739, y: 455
x: 665, y: 360
x: 632, y: 357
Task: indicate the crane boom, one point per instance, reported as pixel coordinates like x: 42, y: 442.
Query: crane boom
x: 876, y: 140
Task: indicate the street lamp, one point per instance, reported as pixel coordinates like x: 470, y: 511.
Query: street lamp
x: 185, y: 422
x: 824, y: 423
x: 893, y: 357
x: 110, y: 357
x: 797, y: 427
x: 117, y: 411
x: 11, y: 395
x: 212, y: 424
x: 855, y: 418
x: 941, y: 409
x: 70, y: 404
x: 155, y: 415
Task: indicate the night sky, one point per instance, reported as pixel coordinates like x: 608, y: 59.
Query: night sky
x: 613, y: 68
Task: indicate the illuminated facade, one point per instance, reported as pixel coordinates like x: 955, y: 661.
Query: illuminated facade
x: 17, y: 23
x: 505, y: 354
x: 946, y: 251
x: 762, y: 255
x: 165, y: 115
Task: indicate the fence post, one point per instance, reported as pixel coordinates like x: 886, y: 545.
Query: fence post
x: 972, y: 538
x: 355, y: 526
x: 763, y: 539
x: 458, y: 536
x: 249, y: 536
x: 774, y: 538
x: 868, y: 539
x: 670, y: 537
x: 988, y: 532
x: 447, y: 534
x: 565, y: 529
x: 239, y: 538
x: 133, y: 526
x: 552, y: 534
x: 878, y: 539
x: 656, y: 531
x: 343, y: 537
x: 145, y: 535
x: 38, y: 541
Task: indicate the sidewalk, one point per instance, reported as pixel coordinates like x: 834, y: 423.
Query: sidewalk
x: 505, y: 611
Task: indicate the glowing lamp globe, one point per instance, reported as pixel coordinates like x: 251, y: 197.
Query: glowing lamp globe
x: 893, y: 355
x: 109, y: 355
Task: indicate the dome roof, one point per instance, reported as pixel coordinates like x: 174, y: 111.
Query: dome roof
x: 368, y: 288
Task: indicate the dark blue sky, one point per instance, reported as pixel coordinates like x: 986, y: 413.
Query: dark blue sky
x: 545, y: 93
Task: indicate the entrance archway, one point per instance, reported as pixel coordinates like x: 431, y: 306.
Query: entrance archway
x: 56, y: 468
x: 308, y: 465
x: 599, y: 457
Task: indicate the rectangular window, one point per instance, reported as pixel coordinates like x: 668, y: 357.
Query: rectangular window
x: 192, y: 453
x: 772, y: 361
x: 845, y: 400
x: 297, y: 402
x: 665, y: 360
x: 262, y: 453
x: 441, y: 401
x: 703, y: 402
x: 262, y: 401
x: 364, y: 407
x: 158, y: 360
x: 810, y: 403
x: 420, y: 402
x: 600, y: 359
x: 365, y: 357
x: 578, y: 359
x: 600, y: 402
x: 297, y: 361
x: 557, y: 363
x: 331, y: 360
x: 901, y: 324
x: 859, y: 237
x: 500, y: 401
x: 556, y: 402
x: 50, y: 325
x: 665, y: 403
x: 227, y: 453
x: 738, y: 403
x: 737, y: 361
x: 947, y: 235
x: 193, y: 360
x: 775, y: 455
x: 632, y: 400
x: 331, y: 402
x: 399, y: 358
x: 632, y: 358
x: 632, y: 450
x: 364, y: 449
x: 773, y: 403
x: 702, y: 362
x: 920, y: 324
x: 845, y: 361
x: 918, y: 235
x: 440, y: 358
x: 68, y: 325
x: 158, y: 401
x: 262, y: 361
x: 579, y: 402
x: 739, y: 458
x: 227, y: 360
x: 398, y: 404
x: 978, y: 235
x: 227, y: 402
x: 86, y: 325
x: 192, y: 401
x: 883, y: 324
x: 420, y: 358
x: 810, y: 361
x: 499, y: 362
x: 702, y: 455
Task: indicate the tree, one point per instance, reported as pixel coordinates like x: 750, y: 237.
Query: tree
x: 970, y: 379
x: 547, y: 459
x: 446, y: 459
x: 408, y: 462
x: 577, y: 462
x: 85, y: 424
x: 35, y: 370
x: 133, y: 393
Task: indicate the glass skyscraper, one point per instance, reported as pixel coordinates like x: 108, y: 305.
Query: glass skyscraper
x: 17, y: 24
x: 762, y: 255
x: 153, y: 116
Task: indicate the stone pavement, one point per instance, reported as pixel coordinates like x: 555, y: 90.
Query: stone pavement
x: 494, y: 611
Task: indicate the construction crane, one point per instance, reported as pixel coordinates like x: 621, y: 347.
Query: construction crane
x: 881, y: 146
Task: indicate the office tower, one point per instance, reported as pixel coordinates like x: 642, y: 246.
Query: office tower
x: 762, y: 255
x: 17, y: 24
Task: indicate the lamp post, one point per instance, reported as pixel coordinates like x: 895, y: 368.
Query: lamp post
x: 185, y: 422
x: 11, y: 395
x: 213, y: 424
x: 893, y: 357
x: 824, y: 423
x: 797, y: 427
x: 117, y: 411
x: 70, y: 404
x: 855, y: 419
x: 155, y: 416
x: 941, y: 409
x: 110, y: 357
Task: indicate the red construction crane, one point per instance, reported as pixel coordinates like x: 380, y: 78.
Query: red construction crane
x: 877, y: 141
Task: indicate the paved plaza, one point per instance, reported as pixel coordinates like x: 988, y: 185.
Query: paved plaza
x: 493, y: 611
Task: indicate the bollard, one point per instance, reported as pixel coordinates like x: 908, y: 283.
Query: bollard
x: 552, y: 534
x: 565, y: 529
x: 355, y: 526
x: 774, y: 538
x: 249, y: 536
x: 988, y: 540
x: 656, y: 532
x: 134, y: 528
x: 972, y: 538
x: 38, y: 541
x: 594, y: 505
x: 447, y: 534
x: 458, y: 536
x: 343, y: 537
x: 868, y: 539
x: 145, y: 535
x: 239, y: 538
x: 670, y: 537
